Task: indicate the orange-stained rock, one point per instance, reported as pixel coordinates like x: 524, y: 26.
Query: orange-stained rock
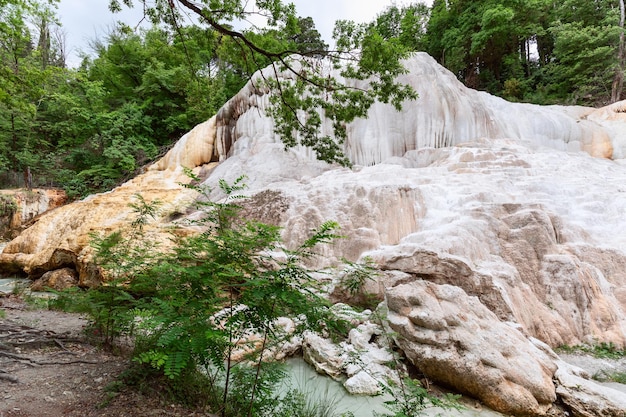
x: 63, y: 237
x: 59, y: 279
x: 20, y: 207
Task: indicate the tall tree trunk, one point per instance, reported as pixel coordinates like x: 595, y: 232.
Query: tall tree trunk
x: 28, y: 179
x: 618, y: 79
x: 44, y: 41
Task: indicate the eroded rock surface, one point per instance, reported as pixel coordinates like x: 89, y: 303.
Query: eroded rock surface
x: 19, y: 207
x: 587, y: 398
x: 507, y: 209
x: 59, y: 279
x: 454, y: 339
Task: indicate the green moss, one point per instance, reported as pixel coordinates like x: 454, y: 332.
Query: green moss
x: 602, y: 350
x: 8, y: 206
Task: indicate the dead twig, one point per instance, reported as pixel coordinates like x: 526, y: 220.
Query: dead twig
x: 70, y: 362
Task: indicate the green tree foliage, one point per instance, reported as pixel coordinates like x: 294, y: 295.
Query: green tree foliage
x: 86, y: 129
x: 487, y: 42
x: 175, y: 84
x: 213, y: 295
x: 301, y: 104
x: 533, y: 50
x: 406, y: 23
x: 586, y: 38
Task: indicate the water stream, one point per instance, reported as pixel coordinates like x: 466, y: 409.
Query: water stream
x: 8, y: 285
x: 328, y: 391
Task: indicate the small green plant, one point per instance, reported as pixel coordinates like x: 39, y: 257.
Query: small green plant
x: 111, y: 390
x: 601, y: 350
x: 608, y: 350
x: 604, y: 376
x: 353, y: 280
x: 297, y: 403
x: 192, y: 308
x: 304, y: 399
x: 35, y: 302
x: 357, y: 274
x: 410, y: 397
x: 619, y: 377
x: 19, y: 288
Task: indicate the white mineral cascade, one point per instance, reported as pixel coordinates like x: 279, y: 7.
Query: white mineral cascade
x: 515, y: 212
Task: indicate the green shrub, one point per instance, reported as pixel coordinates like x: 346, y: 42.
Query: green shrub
x: 604, y: 376
x: 191, y: 308
x: 600, y: 350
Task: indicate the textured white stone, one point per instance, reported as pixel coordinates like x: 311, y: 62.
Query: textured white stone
x: 585, y: 397
x: 323, y: 355
x: 454, y: 339
x: 469, y: 191
x: 362, y: 383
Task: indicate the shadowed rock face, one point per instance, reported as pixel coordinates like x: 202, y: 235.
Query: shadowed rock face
x: 462, y: 199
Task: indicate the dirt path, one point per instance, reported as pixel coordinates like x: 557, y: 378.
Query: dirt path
x: 48, y: 368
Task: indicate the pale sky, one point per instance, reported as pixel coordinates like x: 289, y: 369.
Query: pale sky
x: 85, y: 20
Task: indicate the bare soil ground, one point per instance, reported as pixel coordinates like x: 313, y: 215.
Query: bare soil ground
x: 49, y: 368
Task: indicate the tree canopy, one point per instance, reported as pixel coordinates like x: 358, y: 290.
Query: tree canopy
x: 535, y: 50
x: 285, y: 42
x: 88, y: 128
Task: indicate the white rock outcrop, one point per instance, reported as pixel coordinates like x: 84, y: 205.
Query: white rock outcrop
x: 454, y: 339
x: 361, y: 363
x: 587, y: 398
x: 513, y: 211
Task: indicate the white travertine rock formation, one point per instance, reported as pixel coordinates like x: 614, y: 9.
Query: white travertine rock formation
x: 585, y: 397
x: 361, y: 362
x: 446, y: 114
x: 455, y: 339
x: 323, y: 355
x: 517, y: 210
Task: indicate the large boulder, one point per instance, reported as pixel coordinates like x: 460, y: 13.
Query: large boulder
x: 59, y: 279
x: 455, y: 340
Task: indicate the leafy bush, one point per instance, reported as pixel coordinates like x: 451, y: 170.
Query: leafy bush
x: 214, y: 295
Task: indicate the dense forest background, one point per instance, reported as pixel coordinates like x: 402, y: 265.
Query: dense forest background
x: 87, y: 129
